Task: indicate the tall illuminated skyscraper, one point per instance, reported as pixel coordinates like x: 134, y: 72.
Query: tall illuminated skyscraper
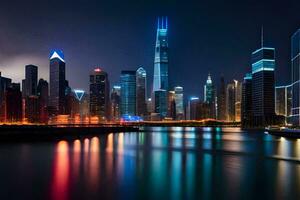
x: 263, y: 86
x: 99, y: 94
x: 246, y: 114
x: 115, y: 100
x: 141, y: 79
x: 128, y: 93
x: 31, y: 75
x: 295, y: 60
x: 161, y: 59
x: 209, y: 96
x: 57, y: 82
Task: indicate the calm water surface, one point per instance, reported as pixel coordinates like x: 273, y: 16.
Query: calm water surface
x: 159, y: 163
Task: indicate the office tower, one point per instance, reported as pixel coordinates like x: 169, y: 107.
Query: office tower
x: 149, y: 105
x: 43, y: 95
x: 80, y: 105
x: 221, y: 111
x: 193, y: 108
x: 246, y: 112
x: 70, y: 100
x: 171, y: 105
x: 99, y: 94
x: 238, y: 99
x: 31, y: 77
x: 13, y: 105
x: 115, y: 98
x: 209, y: 96
x: 230, y: 102
x: 295, y: 61
x: 179, y: 103
x: 161, y: 60
x: 263, y: 86
x: 57, y: 83
x: 128, y: 93
x: 4, y: 84
x: 141, y: 79
x: 283, y: 100
x: 160, y: 106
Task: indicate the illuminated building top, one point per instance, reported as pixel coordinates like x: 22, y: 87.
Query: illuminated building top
x: 57, y: 54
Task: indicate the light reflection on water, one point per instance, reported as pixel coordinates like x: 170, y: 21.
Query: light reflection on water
x: 177, y: 163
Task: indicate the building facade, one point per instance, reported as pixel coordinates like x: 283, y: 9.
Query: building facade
x: 246, y: 114
x: 115, y: 99
x: 283, y: 100
x: 179, y: 102
x: 141, y: 92
x: 128, y: 93
x: 221, y: 111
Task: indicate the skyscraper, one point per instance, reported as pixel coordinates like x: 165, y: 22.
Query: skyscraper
x: 128, y: 93
x: 4, y: 84
x: 43, y: 94
x: 31, y: 75
x: 263, y: 86
x: 193, y: 108
x: 161, y: 59
x: 179, y: 103
x: 230, y: 102
x: 171, y: 105
x: 246, y: 114
x: 57, y: 82
x: 160, y: 105
x: 222, y: 101
x: 115, y: 99
x: 141, y: 79
x: 99, y: 94
x: 295, y: 61
x: 209, y: 96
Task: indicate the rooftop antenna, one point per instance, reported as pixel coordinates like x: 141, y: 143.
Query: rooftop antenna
x: 262, y: 36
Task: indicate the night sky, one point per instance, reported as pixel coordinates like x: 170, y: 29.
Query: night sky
x: 204, y: 36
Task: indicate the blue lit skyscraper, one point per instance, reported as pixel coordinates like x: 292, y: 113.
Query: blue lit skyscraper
x: 161, y: 60
x: 128, y: 93
x: 263, y: 86
x: 57, y: 82
x: 295, y: 61
x: 141, y: 80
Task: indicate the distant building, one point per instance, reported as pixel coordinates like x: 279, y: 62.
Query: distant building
x: 141, y: 92
x: 221, y: 111
x: 5, y: 83
x: 13, y: 106
x: 57, y: 83
x: 31, y: 76
x: 246, y: 113
x: 43, y: 95
x: 263, y: 86
x: 115, y: 99
x: 283, y: 100
x: 230, y: 102
x: 193, y: 109
x: 99, y: 94
x: 32, y: 109
x: 128, y: 93
x: 209, y: 96
x: 179, y: 103
x: 80, y: 106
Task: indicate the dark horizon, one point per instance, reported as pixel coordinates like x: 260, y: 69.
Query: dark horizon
x: 212, y: 37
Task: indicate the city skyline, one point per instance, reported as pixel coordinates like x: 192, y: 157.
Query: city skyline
x: 197, y: 55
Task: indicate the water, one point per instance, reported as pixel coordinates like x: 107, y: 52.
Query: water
x: 160, y: 163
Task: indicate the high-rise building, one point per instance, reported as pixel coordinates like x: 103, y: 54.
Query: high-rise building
x: 57, y: 83
x: 115, y: 98
x: 246, y: 113
x: 209, y: 96
x: 80, y: 105
x: 141, y: 79
x: 179, y: 103
x: 128, y: 93
x: 13, y: 105
x: 32, y: 109
x: 99, y: 94
x: 4, y: 84
x: 171, y: 105
x: 160, y: 106
x: 31, y: 77
x: 221, y: 111
x: 43, y: 94
x: 283, y: 100
x: 193, y: 109
x: 295, y: 61
x: 263, y: 86
x: 161, y: 59
x: 230, y: 102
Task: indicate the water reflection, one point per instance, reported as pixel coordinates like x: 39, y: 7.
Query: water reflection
x: 184, y: 163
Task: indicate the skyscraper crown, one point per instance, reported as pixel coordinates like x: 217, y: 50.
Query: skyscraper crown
x: 57, y: 54
x: 162, y: 23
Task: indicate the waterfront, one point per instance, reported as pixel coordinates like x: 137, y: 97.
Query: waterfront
x: 159, y: 163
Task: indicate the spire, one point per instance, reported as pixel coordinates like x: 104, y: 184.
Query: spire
x: 262, y: 36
